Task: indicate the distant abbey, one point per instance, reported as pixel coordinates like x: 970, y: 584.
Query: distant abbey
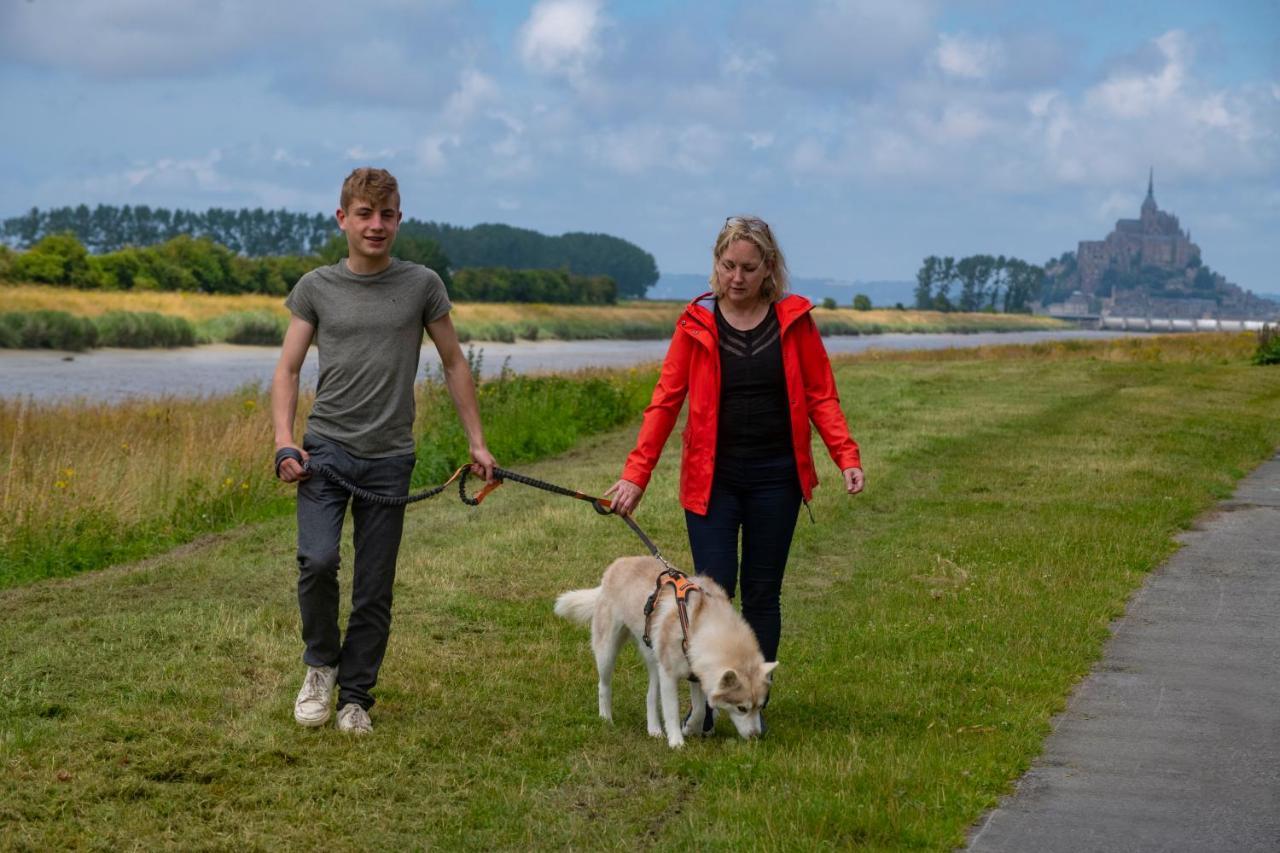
x: 1148, y: 267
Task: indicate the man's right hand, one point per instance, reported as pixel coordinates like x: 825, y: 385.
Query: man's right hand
x: 290, y: 470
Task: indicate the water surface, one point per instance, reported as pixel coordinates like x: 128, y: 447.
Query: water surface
x: 116, y: 374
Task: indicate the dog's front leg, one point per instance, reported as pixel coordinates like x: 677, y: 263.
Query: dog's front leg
x: 669, y: 689
x: 698, y: 709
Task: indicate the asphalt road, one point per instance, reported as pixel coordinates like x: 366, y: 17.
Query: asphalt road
x: 1172, y: 743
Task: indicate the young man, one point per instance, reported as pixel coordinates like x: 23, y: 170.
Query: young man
x: 366, y: 315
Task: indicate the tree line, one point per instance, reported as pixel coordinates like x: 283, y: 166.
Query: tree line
x: 491, y: 245
x: 978, y: 283
x: 186, y: 263
x: 499, y: 284
x: 260, y: 233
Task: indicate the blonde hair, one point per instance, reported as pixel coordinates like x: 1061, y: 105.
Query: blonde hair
x: 369, y: 184
x: 756, y: 231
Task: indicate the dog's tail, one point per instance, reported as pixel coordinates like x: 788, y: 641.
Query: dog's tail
x: 578, y: 605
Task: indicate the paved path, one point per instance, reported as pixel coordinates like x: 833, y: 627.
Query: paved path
x: 1172, y: 743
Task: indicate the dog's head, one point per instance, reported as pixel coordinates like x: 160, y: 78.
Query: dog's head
x: 741, y: 694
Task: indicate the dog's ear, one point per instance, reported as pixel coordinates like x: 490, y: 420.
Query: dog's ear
x: 768, y: 669
x: 728, y: 681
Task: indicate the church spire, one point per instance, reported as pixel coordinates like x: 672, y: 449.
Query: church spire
x: 1150, y: 201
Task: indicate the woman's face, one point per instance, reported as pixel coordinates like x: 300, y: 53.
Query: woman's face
x: 741, y: 272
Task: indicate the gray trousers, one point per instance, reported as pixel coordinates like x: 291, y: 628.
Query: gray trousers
x: 322, y: 507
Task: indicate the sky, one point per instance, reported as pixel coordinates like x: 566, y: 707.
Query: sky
x: 869, y: 134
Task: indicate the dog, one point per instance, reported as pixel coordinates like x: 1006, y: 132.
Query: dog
x: 724, y: 658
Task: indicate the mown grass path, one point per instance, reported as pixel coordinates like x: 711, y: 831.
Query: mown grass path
x: 931, y: 628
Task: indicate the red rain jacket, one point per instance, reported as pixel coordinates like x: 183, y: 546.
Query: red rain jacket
x: 692, y: 369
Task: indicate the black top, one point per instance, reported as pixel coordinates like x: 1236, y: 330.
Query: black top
x: 754, y: 422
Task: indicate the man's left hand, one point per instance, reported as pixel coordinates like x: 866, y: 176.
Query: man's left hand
x: 853, y: 480
x: 483, y: 463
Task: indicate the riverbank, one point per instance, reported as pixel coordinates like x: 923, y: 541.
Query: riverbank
x: 118, y: 374
x: 253, y: 318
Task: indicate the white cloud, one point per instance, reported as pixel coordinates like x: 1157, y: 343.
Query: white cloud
x: 1135, y: 95
x: 967, y: 57
x: 431, y: 154
x: 561, y: 37
x: 475, y: 91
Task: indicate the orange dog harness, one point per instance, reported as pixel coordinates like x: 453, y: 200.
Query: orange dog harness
x: 681, y: 586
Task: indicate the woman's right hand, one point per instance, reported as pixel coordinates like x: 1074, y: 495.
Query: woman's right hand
x: 625, y: 497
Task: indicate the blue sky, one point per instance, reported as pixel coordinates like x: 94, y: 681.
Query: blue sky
x: 870, y: 134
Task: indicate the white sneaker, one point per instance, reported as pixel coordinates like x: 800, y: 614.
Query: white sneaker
x: 354, y: 719
x: 311, y: 708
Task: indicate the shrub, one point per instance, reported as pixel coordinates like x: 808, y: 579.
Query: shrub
x: 250, y: 328
x: 47, y: 330
x: 141, y: 329
x: 1268, y: 351
x: 862, y: 302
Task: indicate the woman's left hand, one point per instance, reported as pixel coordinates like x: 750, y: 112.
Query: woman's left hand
x: 853, y: 480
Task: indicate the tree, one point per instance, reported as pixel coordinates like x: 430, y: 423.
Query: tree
x: 828, y: 302
x: 925, y: 279
x: 862, y: 302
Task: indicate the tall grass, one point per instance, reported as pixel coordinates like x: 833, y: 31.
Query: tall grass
x: 258, y: 319
x: 84, y: 485
x: 932, y: 626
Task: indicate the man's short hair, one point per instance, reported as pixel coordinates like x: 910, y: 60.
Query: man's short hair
x: 369, y: 184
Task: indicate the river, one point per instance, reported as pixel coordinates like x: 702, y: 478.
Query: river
x: 117, y: 374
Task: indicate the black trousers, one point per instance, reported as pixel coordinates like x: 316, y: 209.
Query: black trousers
x: 761, y: 498
x: 322, y: 507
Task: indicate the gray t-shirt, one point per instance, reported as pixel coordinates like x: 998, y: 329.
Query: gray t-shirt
x: 369, y: 335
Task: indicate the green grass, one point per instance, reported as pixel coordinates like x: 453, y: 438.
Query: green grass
x: 932, y: 627
x: 109, y: 493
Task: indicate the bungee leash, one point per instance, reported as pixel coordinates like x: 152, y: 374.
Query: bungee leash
x: 500, y: 475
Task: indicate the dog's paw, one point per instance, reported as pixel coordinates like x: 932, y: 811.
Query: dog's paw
x: 676, y: 742
x: 656, y: 731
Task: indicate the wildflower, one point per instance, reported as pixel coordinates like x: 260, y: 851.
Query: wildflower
x: 68, y: 472
x: 249, y: 406
x: 226, y: 484
x: 244, y: 487
x: 60, y: 484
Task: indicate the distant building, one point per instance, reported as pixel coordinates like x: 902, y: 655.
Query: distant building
x: 1154, y: 239
x: 1149, y: 267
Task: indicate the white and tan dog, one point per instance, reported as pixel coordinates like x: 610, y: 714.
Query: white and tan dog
x: 723, y: 653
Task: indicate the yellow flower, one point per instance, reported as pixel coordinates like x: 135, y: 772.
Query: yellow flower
x: 227, y: 483
x: 250, y: 405
x: 68, y: 472
x: 60, y: 484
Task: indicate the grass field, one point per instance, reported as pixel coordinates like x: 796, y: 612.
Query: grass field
x: 213, y: 315
x: 932, y: 626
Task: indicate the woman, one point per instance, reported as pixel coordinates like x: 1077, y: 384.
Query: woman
x: 749, y: 358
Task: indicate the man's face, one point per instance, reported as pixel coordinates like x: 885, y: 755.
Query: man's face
x: 371, y: 226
